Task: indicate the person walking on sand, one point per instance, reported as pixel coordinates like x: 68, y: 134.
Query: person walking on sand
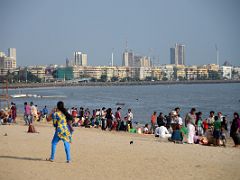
x: 63, y: 130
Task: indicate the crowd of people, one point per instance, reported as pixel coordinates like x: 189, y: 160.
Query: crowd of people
x: 8, y: 115
x: 192, y: 129
x: 104, y: 118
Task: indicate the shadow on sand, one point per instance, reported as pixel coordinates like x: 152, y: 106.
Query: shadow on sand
x: 22, y: 158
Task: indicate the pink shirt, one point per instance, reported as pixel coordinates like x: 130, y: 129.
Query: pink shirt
x: 27, y: 110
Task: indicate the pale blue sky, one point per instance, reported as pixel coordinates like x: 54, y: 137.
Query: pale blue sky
x: 48, y: 31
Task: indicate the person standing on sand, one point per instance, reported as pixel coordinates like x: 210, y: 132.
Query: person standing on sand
x: 210, y: 119
x: 103, y: 118
x: 235, y: 130
x: 217, y: 131
x: 118, y: 117
x: 13, y: 112
x: 129, y: 118
x: 153, y: 122
x: 27, y: 113
x: 190, y: 121
x: 109, y: 117
x: 63, y: 130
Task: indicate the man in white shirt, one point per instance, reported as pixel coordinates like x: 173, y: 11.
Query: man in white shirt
x: 34, y: 114
x: 162, y: 132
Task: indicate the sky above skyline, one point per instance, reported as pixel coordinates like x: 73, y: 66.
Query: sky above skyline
x: 49, y: 31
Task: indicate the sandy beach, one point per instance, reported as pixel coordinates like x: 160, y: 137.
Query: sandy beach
x: 109, y: 155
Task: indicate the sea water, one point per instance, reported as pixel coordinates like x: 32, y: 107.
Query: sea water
x: 143, y: 100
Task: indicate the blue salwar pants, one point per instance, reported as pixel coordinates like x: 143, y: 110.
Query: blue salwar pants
x: 55, y: 141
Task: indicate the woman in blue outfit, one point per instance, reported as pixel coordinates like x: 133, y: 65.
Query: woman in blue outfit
x: 63, y: 130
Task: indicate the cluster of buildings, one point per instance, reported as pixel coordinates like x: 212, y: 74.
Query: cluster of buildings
x: 134, y: 67
x: 8, y: 62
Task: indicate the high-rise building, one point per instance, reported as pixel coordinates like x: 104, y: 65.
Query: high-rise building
x: 12, y: 53
x: 177, y: 54
x: 83, y: 59
x: 77, y: 58
x: 80, y: 59
x: 8, y: 63
x: 142, y: 61
x: 128, y: 59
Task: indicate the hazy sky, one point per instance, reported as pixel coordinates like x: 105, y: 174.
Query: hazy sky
x: 48, y: 31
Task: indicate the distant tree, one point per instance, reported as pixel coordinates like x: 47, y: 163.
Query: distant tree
x: 54, y: 73
x: 93, y: 79
x: 214, y: 75
x: 114, y: 79
x: 165, y: 78
x: 126, y: 79
x: 103, y: 78
x: 9, y: 76
x: 32, y: 78
x: 148, y: 78
x: 175, y: 73
x: 180, y: 78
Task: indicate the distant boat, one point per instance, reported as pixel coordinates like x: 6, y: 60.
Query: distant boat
x: 34, y: 96
x: 18, y: 95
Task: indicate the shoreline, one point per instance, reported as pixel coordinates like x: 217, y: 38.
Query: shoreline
x: 136, y: 83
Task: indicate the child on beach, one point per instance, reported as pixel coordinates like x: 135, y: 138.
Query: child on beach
x: 146, y: 129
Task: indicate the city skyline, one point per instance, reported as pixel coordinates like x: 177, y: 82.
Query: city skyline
x: 149, y: 28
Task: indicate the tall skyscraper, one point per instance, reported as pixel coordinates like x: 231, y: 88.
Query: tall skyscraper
x: 12, y: 53
x: 177, y: 54
x: 83, y: 59
x: 128, y: 59
x: 142, y: 61
x: 80, y: 59
x: 77, y: 58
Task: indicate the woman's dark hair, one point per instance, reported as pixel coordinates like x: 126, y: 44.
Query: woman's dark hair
x: 236, y: 114
x: 109, y: 110
x: 60, y: 106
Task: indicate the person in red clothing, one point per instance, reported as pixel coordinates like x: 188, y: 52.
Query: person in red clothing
x: 205, y: 125
x: 153, y: 122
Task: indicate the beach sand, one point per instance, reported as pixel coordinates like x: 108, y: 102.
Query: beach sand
x: 109, y: 155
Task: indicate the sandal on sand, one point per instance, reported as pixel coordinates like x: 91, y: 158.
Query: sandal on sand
x: 49, y: 159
